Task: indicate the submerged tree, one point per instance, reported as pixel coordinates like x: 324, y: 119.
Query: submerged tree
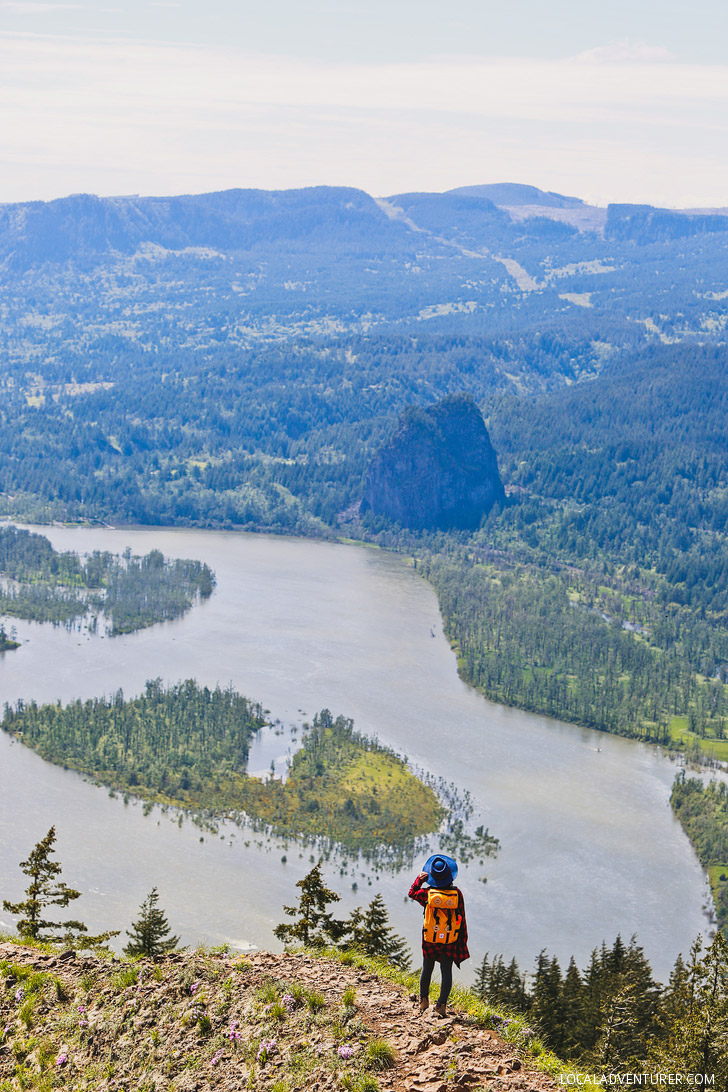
x: 45, y: 889
x: 149, y: 935
x: 314, y: 925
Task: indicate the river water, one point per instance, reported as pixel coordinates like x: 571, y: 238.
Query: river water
x: 589, y: 844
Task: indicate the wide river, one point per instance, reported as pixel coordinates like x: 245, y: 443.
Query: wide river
x: 589, y: 844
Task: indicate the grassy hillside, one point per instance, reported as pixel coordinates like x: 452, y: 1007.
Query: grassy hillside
x: 210, y: 1020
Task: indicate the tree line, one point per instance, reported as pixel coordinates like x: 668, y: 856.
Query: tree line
x: 703, y: 812
x: 613, y: 1016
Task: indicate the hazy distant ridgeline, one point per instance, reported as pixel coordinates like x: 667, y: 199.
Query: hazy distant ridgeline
x: 77, y: 228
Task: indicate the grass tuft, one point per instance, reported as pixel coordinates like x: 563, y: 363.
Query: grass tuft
x: 379, y: 1055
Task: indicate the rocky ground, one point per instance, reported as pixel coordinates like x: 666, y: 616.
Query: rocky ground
x: 208, y: 1020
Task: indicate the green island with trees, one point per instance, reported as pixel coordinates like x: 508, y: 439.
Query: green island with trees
x: 187, y: 746
x: 7, y: 643
x: 42, y: 584
x: 347, y: 787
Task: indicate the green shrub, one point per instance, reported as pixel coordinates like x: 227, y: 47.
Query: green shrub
x: 315, y: 1001
x: 128, y: 977
x: 379, y: 1055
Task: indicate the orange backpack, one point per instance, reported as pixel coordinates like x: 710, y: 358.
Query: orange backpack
x: 442, y: 922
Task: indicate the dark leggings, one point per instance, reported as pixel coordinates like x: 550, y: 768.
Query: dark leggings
x: 428, y: 966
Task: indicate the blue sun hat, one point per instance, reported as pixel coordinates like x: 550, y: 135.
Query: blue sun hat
x: 441, y: 870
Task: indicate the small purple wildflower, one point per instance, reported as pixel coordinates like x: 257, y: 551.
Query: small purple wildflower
x: 194, y: 988
x: 20, y: 992
x: 62, y: 1058
x: 81, y: 1008
x: 345, y: 1051
x: 266, y: 1048
x: 234, y: 1035
x: 216, y: 1057
x: 289, y: 1001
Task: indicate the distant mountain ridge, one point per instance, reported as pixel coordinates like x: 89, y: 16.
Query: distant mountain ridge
x: 647, y: 224
x: 516, y: 193
x: 84, y: 225
x: 83, y: 228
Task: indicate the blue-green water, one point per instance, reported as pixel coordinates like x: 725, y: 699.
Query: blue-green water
x: 589, y: 844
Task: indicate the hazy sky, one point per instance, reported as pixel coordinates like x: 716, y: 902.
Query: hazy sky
x: 609, y: 100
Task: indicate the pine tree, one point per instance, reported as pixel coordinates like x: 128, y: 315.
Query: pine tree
x: 149, y: 935
x: 371, y: 933
x: 482, y: 979
x: 711, y: 1045
x: 514, y: 994
x: 46, y: 890
x: 546, y: 1011
x: 618, y: 1029
x: 315, y: 926
x: 676, y: 998
x: 573, y: 1004
x: 698, y: 1036
x: 646, y: 994
x: 627, y: 1022
x: 594, y: 998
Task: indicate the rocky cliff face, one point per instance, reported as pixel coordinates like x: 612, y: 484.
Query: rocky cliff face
x: 439, y: 470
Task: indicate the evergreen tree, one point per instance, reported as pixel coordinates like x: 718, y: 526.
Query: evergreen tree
x: 514, y: 994
x: 371, y: 933
x: 314, y: 925
x: 676, y: 998
x: 697, y: 1040
x: 572, y: 1002
x: 149, y: 935
x: 646, y: 996
x: 618, y: 1029
x: 501, y: 984
x: 546, y: 1007
x: 482, y: 979
x: 594, y: 998
x: 45, y: 889
x: 627, y: 1023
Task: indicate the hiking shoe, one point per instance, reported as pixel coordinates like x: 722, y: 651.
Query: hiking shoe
x: 424, y: 1002
x: 441, y: 1010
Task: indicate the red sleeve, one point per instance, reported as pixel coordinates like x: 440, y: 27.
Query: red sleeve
x: 416, y: 892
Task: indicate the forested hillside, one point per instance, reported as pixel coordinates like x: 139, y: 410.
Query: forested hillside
x: 236, y: 360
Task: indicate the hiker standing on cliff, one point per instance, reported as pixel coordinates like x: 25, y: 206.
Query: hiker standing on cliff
x: 445, y: 931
